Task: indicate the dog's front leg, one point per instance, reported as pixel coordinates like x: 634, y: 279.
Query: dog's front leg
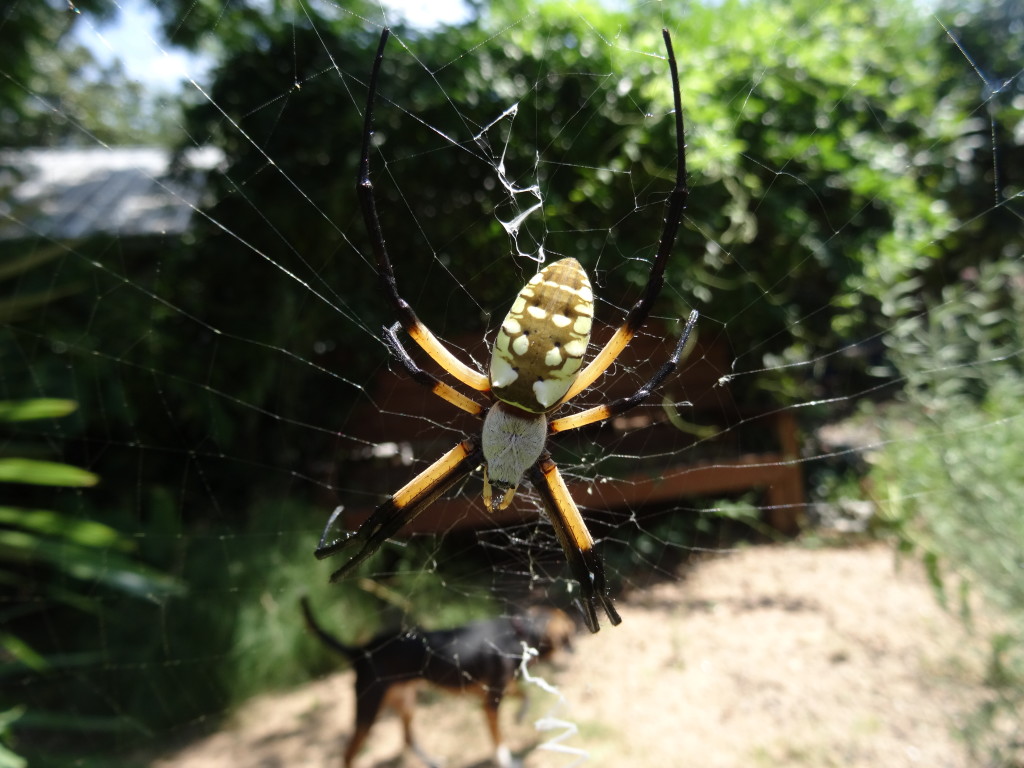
x: 402, y: 698
x: 502, y: 755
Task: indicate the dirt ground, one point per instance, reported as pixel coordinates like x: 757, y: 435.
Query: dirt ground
x: 766, y: 656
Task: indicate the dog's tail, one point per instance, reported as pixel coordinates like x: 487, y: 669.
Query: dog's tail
x: 325, y: 637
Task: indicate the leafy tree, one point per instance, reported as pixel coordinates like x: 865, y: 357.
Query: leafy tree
x: 816, y: 157
x: 977, y: 271
x: 29, y: 29
x: 53, y: 91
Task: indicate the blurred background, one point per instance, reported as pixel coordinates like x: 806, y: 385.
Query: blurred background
x: 192, y: 371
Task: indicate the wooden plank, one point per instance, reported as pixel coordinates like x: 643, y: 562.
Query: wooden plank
x: 634, y: 493
x: 401, y: 411
x: 397, y: 408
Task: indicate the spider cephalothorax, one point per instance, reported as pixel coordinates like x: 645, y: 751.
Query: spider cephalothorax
x: 536, y: 366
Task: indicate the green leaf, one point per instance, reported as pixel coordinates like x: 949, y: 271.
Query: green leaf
x: 40, y: 408
x: 87, y: 533
x: 45, y: 473
x: 87, y: 563
x: 9, y: 759
x: 18, y: 649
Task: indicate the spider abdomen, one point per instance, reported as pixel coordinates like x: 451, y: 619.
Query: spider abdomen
x: 540, y: 346
x: 512, y: 441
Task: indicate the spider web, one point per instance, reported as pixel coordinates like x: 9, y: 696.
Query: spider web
x: 216, y: 317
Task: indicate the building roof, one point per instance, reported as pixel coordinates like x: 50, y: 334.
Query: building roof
x: 77, y: 193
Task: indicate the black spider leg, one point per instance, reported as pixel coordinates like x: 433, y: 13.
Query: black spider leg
x: 364, y: 191
x: 624, y: 404
x: 585, y: 564
x: 402, y: 507
x: 674, y: 207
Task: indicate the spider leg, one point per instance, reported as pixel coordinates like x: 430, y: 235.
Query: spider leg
x: 364, y: 190
x: 400, y: 508
x: 431, y: 382
x: 576, y: 541
x: 674, y: 207
x: 602, y: 412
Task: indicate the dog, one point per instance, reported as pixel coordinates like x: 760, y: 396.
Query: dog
x: 480, y: 658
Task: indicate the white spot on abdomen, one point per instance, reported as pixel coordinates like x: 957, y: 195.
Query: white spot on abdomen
x: 576, y: 348
x: 582, y: 325
x: 550, y: 391
x: 502, y: 373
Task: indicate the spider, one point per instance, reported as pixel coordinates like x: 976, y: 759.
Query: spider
x: 536, y: 366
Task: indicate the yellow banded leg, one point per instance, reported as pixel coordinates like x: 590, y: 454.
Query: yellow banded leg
x: 581, y: 419
x: 602, y: 412
x: 456, y: 398
x: 430, y: 344
x: 576, y: 541
x: 431, y: 382
x: 364, y: 192
x: 601, y: 363
x: 402, y: 507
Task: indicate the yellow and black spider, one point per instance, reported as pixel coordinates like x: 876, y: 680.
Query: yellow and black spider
x: 535, y: 368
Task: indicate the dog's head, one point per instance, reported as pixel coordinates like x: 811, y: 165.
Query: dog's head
x: 549, y: 630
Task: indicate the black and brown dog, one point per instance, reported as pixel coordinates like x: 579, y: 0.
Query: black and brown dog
x: 480, y: 658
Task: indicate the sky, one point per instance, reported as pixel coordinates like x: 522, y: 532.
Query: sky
x: 133, y: 36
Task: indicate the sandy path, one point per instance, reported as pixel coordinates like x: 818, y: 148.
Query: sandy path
x: 773, y: 656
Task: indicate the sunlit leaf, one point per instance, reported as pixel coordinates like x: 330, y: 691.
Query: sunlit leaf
x: 37, y: 472
x: 39, y: 408
x: 87, y: 533
x: 99, y: 565
x: 18, y: 649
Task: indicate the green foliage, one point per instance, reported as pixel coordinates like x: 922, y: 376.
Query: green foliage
x: 815, y: 160
x: 257, y: 634
x: 50, y: 558
x: 39, y: 408
x: 8, y: 759
x: 54, y: 92
x: 987, y: 166
x: 44, y: 473
x: 950, y: 487
x: 948, y: 477
x: 964, y: 343
x: 29, y: 29
x: 819, y: 142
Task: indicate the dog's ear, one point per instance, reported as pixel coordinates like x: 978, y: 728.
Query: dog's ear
x: 561, y: 629
x: 551, y: 629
